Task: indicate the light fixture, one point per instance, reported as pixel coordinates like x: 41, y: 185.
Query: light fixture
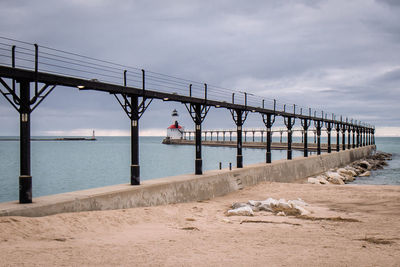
x: 217, y: 106
x: 165, y: 98
x: 253, y: 110
x: 81, y: 86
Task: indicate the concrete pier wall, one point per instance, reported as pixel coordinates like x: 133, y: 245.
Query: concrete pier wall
x: 183, y: 188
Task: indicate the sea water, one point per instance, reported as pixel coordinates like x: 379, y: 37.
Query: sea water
x: 64, y: 166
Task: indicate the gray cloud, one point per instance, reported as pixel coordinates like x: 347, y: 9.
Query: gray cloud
x: 340, y: 56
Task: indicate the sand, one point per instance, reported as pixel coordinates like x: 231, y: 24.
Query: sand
x: 363, y: 230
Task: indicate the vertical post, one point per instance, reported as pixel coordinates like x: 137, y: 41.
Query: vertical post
x: 289, y: 134
x: 230, y: 136
x: 135, y: 168
x: 343, y: 137
x: 353, y: 129
x: 281, y: 132
x: 262, y: 133
x: 315, y: 140
x: 302, y: 136
x: 25, y: 178
x: 253, y: 136
x: 329, y: 137
x: 305, y: 139
x: 198, y: 161
x: 373, y: 136
x: 337, y: 137
x: 318, y: 137
x: 348, y: 137
x: 239, y: 123
x: 269, y: 138
x: 363, y: 129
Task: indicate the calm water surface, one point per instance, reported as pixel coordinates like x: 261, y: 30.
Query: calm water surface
x: 61, y: 166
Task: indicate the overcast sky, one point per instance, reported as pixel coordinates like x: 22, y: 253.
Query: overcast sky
x: 339, y: 56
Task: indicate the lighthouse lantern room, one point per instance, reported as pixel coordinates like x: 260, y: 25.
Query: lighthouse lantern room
x: 175, y: 131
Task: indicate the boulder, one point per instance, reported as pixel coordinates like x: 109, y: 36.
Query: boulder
x: 347, y: 172
x: 365, y: 165
x: 322, y: 180
x: 367, y: 173
x: 312, y: 180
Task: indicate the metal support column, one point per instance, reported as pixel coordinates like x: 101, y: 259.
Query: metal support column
x: 25, y: 178
x: 198, y: 160
x: 135, y: 168
x: 306, y: 123
x: 269, y: 120
x: 198, y: 112
x: 328, y: 126
x: 318, y: 125
x: 343, y: 129
x: 353, y: 129
x: 289, y: 122
x: 348, y: 135
x: 337, y: 136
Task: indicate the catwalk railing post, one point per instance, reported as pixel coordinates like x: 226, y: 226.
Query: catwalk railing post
x: 269, y: 120
x: 328, y: 126
x: 25, y: 178
x: 317, y: 125
x: 289, y: 124
x: 306, y: 123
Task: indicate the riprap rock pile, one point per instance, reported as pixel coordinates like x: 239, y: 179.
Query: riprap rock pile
x: 360, y: 168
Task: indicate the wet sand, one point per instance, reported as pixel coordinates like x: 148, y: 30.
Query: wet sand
x: 350, y: 225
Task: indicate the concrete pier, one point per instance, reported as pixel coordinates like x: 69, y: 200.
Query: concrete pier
x: 183, y: 188
x: 261, y: 145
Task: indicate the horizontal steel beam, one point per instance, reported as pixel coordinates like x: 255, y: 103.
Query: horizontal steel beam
x: 54, y: 79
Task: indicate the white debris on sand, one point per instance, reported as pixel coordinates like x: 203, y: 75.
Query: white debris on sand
x: 242, y: 211
x: 360, y: 168
x: 279, y: 207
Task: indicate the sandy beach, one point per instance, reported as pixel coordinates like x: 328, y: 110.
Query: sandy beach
x: 349, y: 226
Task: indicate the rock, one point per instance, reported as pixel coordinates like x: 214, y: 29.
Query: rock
x: 334, y: 175
x: 281, y: 213
x: 365, y: 165
x: 242, y: 211
x: 343, y: 171
x: 322, y: 180
x: 335, y: 178
x: 312, y: 180
x: 367, y: 173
